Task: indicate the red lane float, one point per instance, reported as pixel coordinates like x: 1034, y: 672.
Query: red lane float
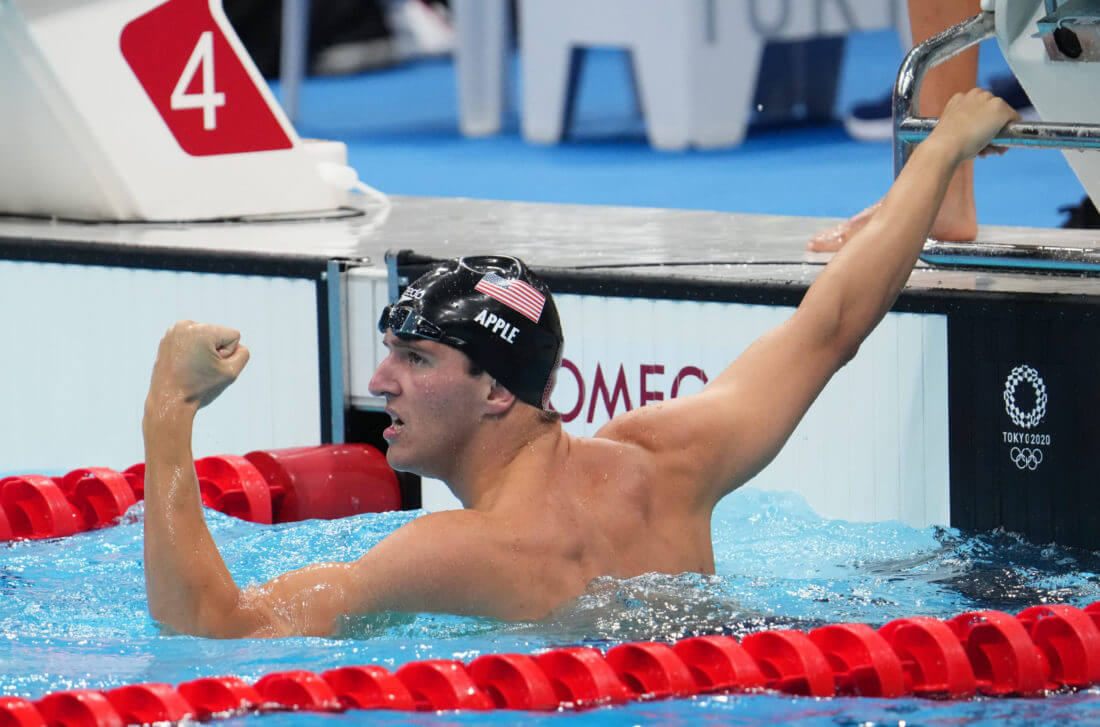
x: 442, y: 684
x: 36, y: 507
x: 1093, y: 610
x: 863, y: 661
x: 99, y: 494
x: 19, y: 712
x: 369, y: 687
x: 5, y: 527
x: 580, y: 676
x: 719, y: 662
x: 78, y: 708
x: 651, y: 670
x: 513, y: 681
x: 1005, y: 659
x: 927, y: 656
x: 1070, y: 641
x: 135, y: 475
x: 280, y: 485
x: 934, y: 660
x: 232, y: 485
x: 791, y: 663
x: 329, y: 481
x: 219, y: 696
x: 298, y: 690
x: 149, y: 703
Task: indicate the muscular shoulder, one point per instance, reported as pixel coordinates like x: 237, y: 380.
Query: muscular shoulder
x: 445, y: 525
x: 642, y: 427
x: 458, y: 561
x: 676, y: 441
x: 437, y: 542
x: 665, y: 434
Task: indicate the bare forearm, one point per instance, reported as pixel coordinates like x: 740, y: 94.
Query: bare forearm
x: 188, y: 586
x: 863, y: 280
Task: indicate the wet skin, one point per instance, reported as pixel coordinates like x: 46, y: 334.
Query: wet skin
x: 553, y: 511
x: 545, y: 512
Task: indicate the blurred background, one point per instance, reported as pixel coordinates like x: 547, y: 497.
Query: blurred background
x: 382, y: 81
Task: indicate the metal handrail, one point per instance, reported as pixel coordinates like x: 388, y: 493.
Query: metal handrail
x: 910, y: 128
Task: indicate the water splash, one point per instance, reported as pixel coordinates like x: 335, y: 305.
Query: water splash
x: 73, y: 611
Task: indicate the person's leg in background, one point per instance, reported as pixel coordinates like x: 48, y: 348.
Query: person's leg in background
x: 957, y: 219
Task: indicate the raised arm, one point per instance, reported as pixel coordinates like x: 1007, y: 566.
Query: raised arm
x: 716, y: 440
x: 188, y: 586
x: 448, y: 562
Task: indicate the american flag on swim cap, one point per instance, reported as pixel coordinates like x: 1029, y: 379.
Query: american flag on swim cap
x: 515, y: 294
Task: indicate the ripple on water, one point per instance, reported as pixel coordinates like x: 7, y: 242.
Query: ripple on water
x: 73, y: 612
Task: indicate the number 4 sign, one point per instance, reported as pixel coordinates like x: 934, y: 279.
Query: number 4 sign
x: 197, y: 82
x: 209, y: 99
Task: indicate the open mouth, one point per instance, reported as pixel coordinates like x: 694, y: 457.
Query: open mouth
x: 397, y: 424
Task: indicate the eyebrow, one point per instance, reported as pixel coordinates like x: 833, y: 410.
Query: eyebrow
x: 398, y: 342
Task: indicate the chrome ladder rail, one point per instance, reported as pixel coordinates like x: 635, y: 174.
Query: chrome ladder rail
x: 910, y: 129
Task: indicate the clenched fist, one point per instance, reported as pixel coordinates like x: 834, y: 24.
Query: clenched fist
x: 195, y: 363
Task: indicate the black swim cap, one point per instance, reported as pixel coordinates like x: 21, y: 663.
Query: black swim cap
x: 494, y: 310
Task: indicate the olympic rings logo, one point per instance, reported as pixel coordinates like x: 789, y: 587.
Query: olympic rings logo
x: 1033, y: 417
x: 1026, y: 458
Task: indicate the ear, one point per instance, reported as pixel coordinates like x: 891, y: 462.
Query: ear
x: 500, y: 400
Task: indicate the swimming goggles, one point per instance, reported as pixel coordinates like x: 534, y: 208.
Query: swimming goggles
x: 407, y: 323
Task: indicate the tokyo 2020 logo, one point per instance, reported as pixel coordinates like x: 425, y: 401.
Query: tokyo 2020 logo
x: 1020, y: 418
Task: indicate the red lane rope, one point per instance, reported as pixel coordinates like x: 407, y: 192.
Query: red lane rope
x: 984, y: 652
x: 281, y: 485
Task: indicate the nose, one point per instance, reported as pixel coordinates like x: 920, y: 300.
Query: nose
x: 383, y: 382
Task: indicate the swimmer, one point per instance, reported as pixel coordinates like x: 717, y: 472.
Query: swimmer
x: 473, y: 348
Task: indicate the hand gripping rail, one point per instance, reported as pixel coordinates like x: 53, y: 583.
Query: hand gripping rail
x: 910, y: 129
x: 1042, y: 649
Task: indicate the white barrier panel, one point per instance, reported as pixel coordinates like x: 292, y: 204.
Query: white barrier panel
x: 79, y: 344
x: 368, y: 294
x: 147, y: 110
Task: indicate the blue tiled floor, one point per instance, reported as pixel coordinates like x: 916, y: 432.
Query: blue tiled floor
x: 401, y: 128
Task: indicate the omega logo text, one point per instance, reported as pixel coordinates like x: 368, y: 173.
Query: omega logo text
x: 599, y: 390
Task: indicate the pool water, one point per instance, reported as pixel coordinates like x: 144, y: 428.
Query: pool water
x: 73, y: 612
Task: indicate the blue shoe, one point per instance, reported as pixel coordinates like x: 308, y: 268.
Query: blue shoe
x: 1083, y: 215
x: 872, y: 121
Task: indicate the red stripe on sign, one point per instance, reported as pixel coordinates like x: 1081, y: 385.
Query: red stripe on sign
x: 198, y: 84
x: 515, y: 294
